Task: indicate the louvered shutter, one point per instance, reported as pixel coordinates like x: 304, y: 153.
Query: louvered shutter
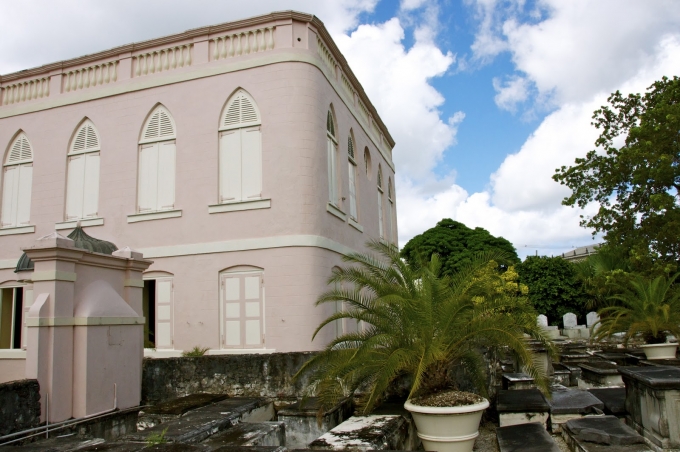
x: 240, y: 112
x: 251, y: 160
x: 164, y: 296
x: 159, y: 126
x: 153, y: 127
x: 24, y: 195
x: 389, y: 220
x: 148, y: 177
x: 75, y: 187
x: 230, y: 166
x: 91, y: 186
x: 380, y: 215
x: 166, y: 176
x: 231, y: 287
x: 20, y: 151
x: 332, y: 183
x: 352, y: 191
x: 9, y: 192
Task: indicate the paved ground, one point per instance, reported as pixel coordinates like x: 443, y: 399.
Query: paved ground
x: 486, y: 441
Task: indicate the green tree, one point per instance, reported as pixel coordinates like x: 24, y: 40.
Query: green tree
x: 634, y: 175
x: 418, y: 324
x: 456, y: 246
x: 602, y: 275
x: 554, y: 288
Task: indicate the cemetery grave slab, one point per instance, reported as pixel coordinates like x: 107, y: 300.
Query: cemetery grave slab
x: 250, y: 449
x: 115, y: 447
x: 660, y: 362
x: 620, y: 358
x: 614, y: 399
x: 249, y: 434
x: 599, y: 373
x: 302, y: 422
x: 522, y: 406
x: 199, y: 424
x: 371, y: 432
x: 172, y: 409
x: 567, y: 404
x: 58, y: 444
x: 517, y: 380
x: 574, y: 357
x: 561, y: 375
x: 525, y: 438
x: 602, y: 433
x: 574, y: 373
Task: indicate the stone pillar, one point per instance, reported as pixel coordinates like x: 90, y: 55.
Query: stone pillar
x: 85, y: 338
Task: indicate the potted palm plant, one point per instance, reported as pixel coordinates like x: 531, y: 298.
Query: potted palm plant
x: 646, y: 309
x: 416, y: 324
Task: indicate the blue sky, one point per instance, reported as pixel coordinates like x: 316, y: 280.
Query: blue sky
x: 485, y: 98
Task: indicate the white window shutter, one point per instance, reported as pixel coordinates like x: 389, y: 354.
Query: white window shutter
x: 251, y: 160
x: 352, y: 191
x: 164, y: 308
x: 91, y: 186
x: 24, y: 198
x: 390, y: 234
x: 230, y: 166
x: 332, y: 182
x: 166, y: 176
x: 9, y: 191
x: 74, y: 187
x: 253, y: 310
x: 148, y: 177
x: 380, y: 215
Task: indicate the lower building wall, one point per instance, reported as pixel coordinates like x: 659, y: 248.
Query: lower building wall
x: 19, y: 405
x: 12, y: 369
x: 292, y: 280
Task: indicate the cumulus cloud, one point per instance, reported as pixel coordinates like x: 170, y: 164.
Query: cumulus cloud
x: 514, y: 90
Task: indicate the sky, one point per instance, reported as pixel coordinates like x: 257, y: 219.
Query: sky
x: 484, y: 98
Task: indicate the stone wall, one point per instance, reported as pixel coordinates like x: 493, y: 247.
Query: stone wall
x: 19, y: 406
x: 264, y: 375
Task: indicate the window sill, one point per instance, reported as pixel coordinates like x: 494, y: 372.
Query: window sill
x: 14, y: 353
x: 241, y: 205
x: 158, y: 215
x: 17, y: 230
x: 71, y: 224
x: 241, y: 351
x: 356, y: 225
x: 336, y: 212
x: 164, y: 353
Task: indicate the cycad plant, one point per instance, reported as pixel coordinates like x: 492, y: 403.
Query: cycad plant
x: 647, y: 308
x: 418, y: 324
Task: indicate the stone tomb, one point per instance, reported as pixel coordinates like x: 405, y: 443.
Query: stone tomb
x: 571, y: 328
x: 522, y: 406
x: 172, y: 409
x: 553, y: 332
x: 371, y: 432
x: 653, y: 403
x: 525, y: 438
x: 567, y: 404
x: 601, y: 434
x: 614, y: 400
x: 248, y: 434
x: 302, y: 422
x: 596, y: 374
x: 517, y: 380
x: 561, y: 375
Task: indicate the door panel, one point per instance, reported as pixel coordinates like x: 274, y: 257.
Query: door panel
x: 164, y: 316
x: 242, y: 308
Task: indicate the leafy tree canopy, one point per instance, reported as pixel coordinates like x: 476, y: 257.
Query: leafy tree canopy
x: 456, y: 245
x: 634, y: 174
x: 554, y: 288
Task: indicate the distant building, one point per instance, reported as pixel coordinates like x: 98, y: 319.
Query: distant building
x: 580, y: 253
x: 244, y: 159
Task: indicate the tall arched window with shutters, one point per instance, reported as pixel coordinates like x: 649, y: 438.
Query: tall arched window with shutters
x: 156, y: 185
x: 17, y: 182
x: 390, y: 212
x: 240, y: 154
x: 332, y: 150
x: 353, y: 211
x: 82, y: 177
x: 381, y: 231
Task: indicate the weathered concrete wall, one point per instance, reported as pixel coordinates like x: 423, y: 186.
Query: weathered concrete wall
x: 19, y: 406
x: 264, y: 375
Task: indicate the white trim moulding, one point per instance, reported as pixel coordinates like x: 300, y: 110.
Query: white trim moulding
x: 241, y: 205
x: 356, y: 225
x: 17, y: 230
x: 15, y: 353
x: 71, y: 224
x: 159, y: 215
x: 330, y: 208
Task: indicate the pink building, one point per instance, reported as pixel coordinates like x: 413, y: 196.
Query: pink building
x: 244, y: 159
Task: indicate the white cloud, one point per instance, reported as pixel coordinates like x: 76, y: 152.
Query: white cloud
x: 36, y: 32
x: 408, y: 5
x: 511, y: 92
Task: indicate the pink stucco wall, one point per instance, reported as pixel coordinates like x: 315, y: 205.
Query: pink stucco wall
x: 293, y: 91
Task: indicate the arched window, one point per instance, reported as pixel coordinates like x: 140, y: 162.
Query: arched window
x: 353, y: 213
x: 332, y: 148
x: 240, y: 155
x: 390, y: 212
x: 380, y: 203
x: 156, y: 187
x: 367, y: 163
x: 17, y: 182
x: 242, y: 307
x: 82, y: 184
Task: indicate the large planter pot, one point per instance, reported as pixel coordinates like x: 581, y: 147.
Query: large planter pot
x: 660, y: 351
x: 447, y: 429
